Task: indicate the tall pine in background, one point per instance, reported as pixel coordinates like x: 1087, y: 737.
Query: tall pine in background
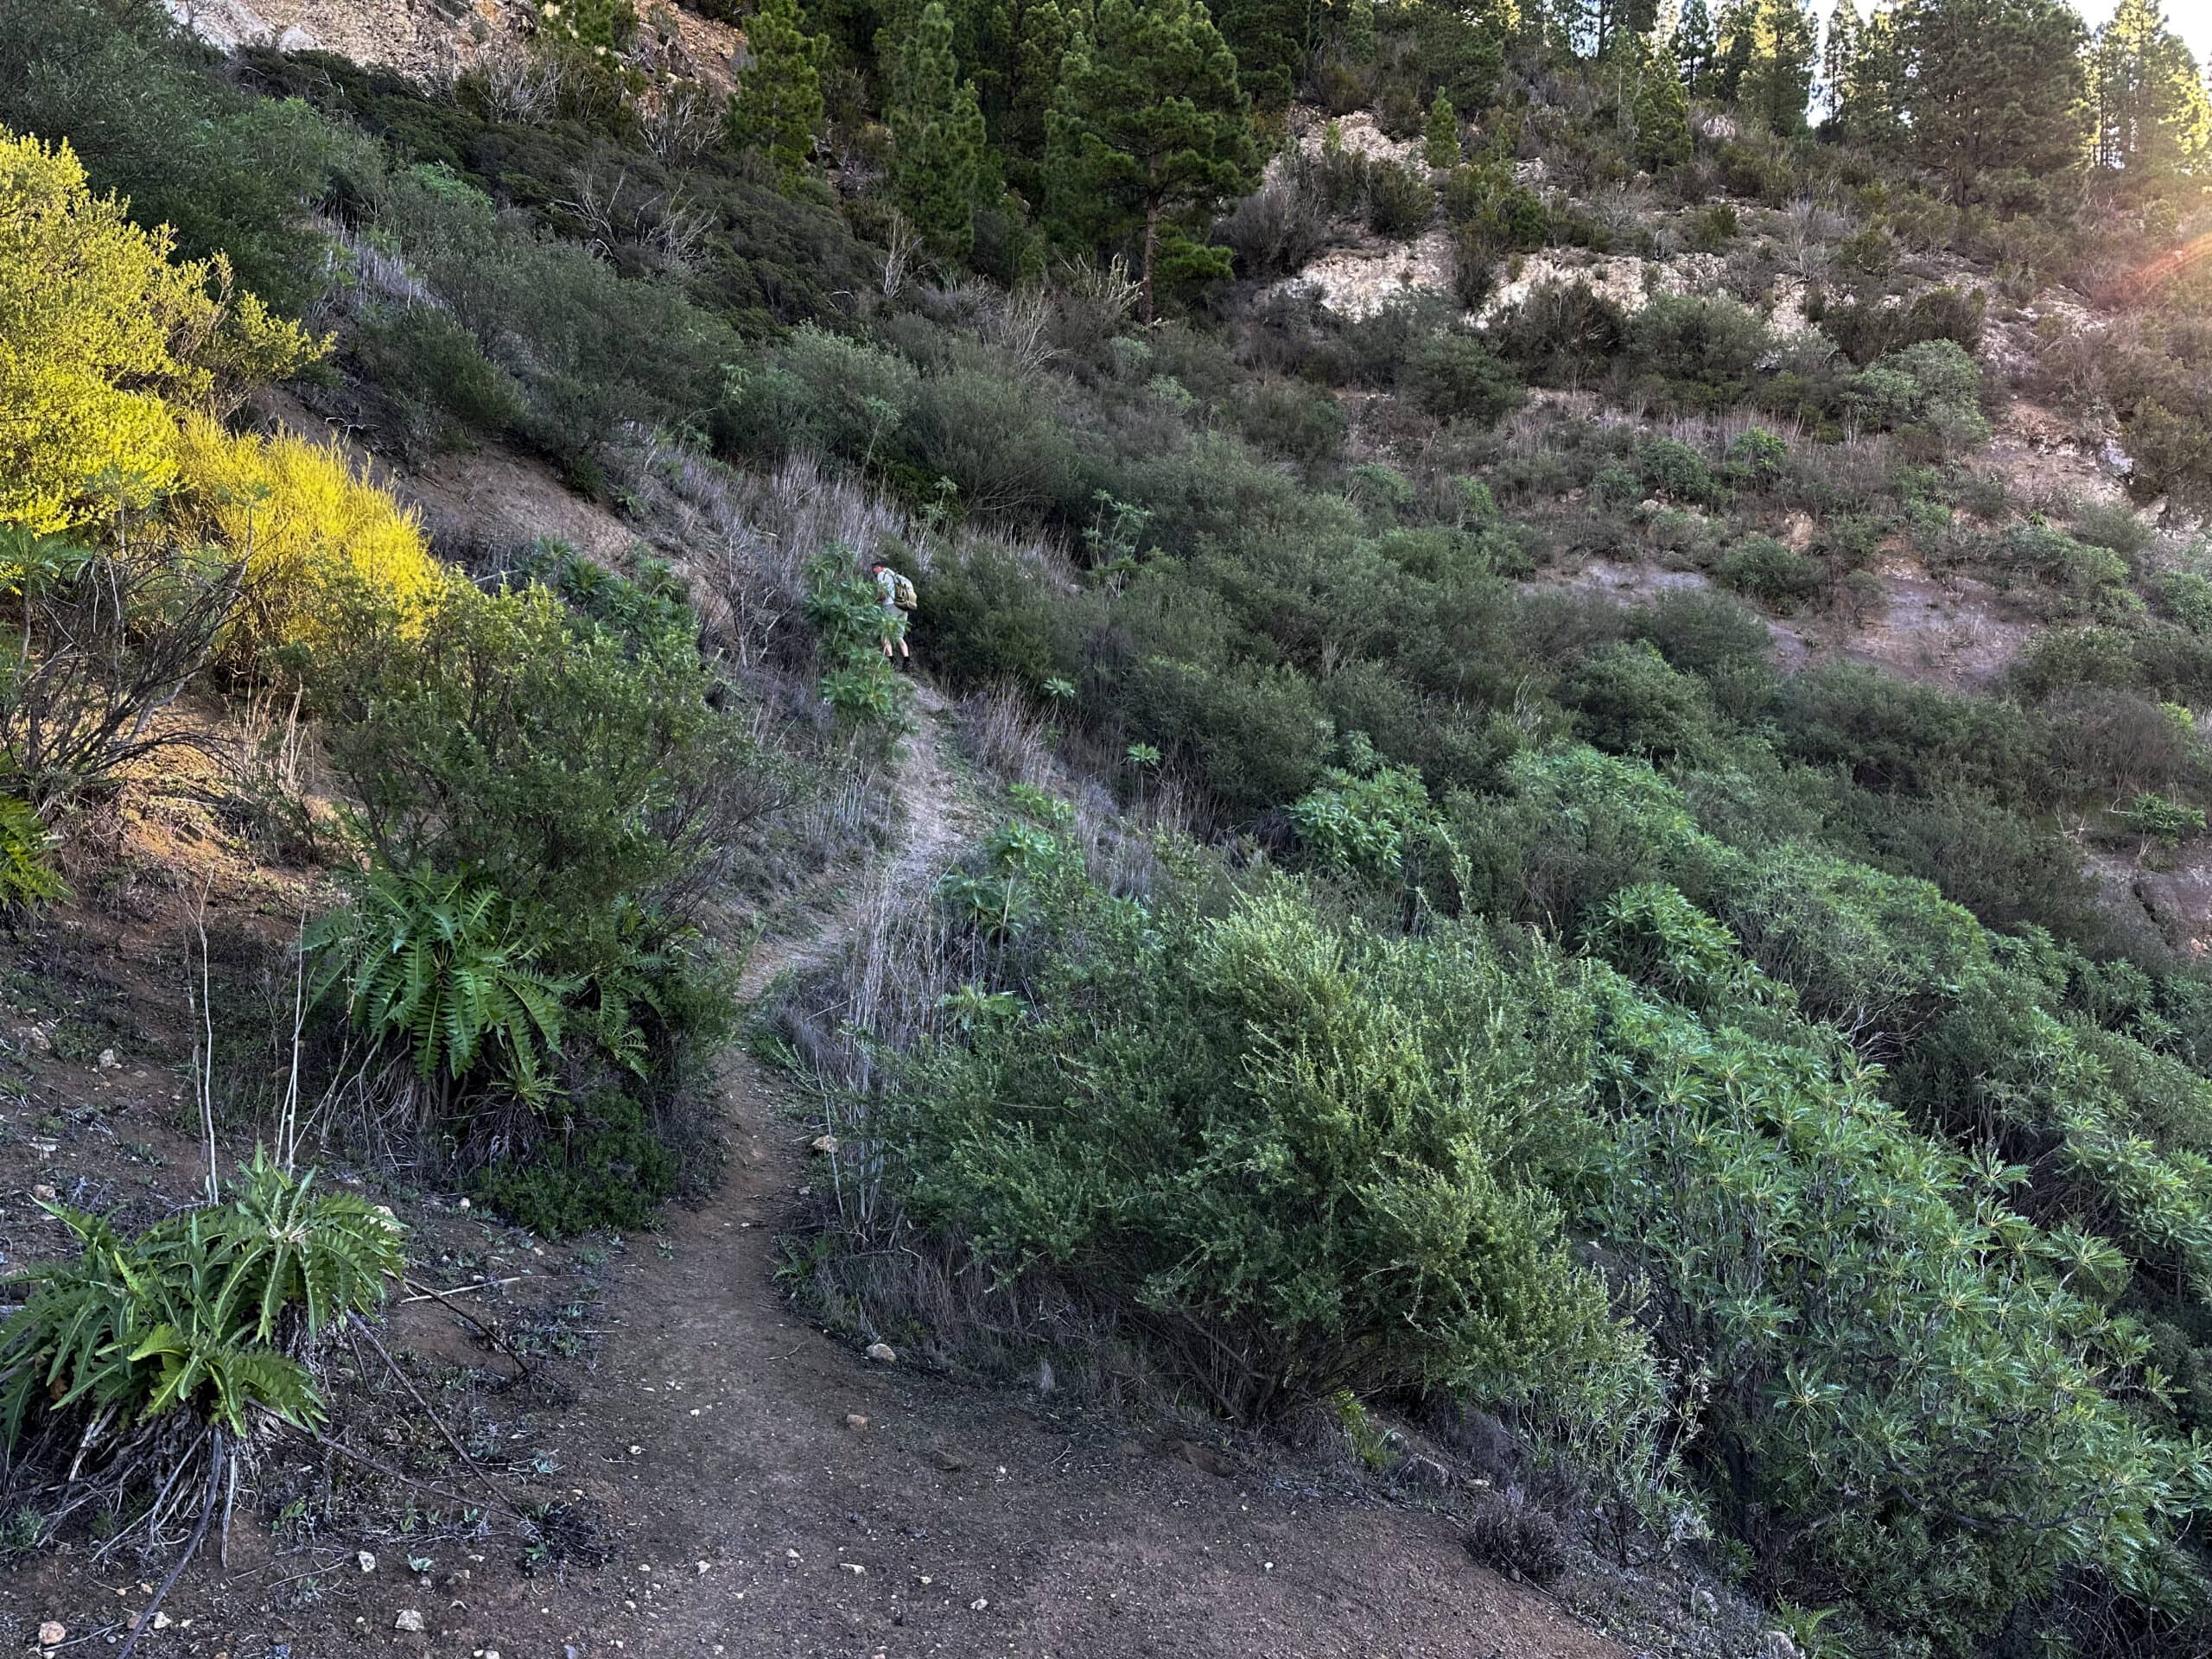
x: 777, y: 108
x: 1872, y: 108
x: 1268, y: 37
x: 1148, y: 137
x: 2152, y: 123
x: 1775, y: 41
x: 940, y: 160
x: 1695, y: 46
x: 1661, y: 110
x: 1839, y: 51
x: 1995, y: 95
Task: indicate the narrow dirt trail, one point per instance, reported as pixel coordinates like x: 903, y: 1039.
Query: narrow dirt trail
x: 751, y: 1513
x: 929, y: 839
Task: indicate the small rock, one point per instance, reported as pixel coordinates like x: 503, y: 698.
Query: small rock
x: 44, y: 1193
x: 1778, y: 1645
x: 108, y: 1062
x: 883, y: 1351
x: 409, y: 1619
x: 824, y: 1143
x: 1703, y: 1605
x: 951, y: 1462
x: 1422, y: 1473
x: 368, y: 1561
x: 856, y: 1422
x: 979, y: 1603
x: 52, y: 1635
x: 463, y: 1204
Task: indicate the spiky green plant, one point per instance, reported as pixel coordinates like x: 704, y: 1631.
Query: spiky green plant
x: 434, y: 961
x: 196, y: 1312
x: 26, y: 873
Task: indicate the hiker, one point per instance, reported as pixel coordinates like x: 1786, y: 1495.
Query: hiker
x: 898, y: 599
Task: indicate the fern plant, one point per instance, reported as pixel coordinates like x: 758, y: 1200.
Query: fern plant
x: 197, y: 1313
x: 432, y: 961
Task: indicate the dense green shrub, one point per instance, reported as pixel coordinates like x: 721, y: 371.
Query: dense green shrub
x: 586, y: 770
x: 1869, y: 329
x: 1561, y: 330
x: 1628, y: 701
x: 1399, y: 201
x: 599, y: 1166
x: 1933, y: 389
x: 1456, y: 378
x: 1363, y: 822
x: 1285, y: 1107
x: 1669, y: 467
x: 131, y: 92
x: 564, y: 324
x: 445, y: 393
x: 1774, y: 573
x: 1691, y: 352
x: 1828, y: 1292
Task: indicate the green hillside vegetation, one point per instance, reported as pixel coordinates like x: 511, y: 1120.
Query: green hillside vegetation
x: 1453, y: 991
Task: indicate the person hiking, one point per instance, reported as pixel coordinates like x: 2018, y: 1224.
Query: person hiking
x: 898, y: 599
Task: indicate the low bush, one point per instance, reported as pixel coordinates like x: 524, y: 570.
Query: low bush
x: 1869, y: 329
x: 1770, y: 571
x: 1694, y: 353
x: 1399, y: 201
x: 444, y: 392
x: 599, y: 1166
x: 1511, y: 1536
x: 1454, y: 376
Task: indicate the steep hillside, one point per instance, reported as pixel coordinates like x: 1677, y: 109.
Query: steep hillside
x: 1513, y: 951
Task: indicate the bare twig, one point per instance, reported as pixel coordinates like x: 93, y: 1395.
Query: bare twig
x: 459, y: 1450
x: 145, y: 1619
x: 431, y: 1294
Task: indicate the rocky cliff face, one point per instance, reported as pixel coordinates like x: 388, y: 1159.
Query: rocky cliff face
x: 431, y: 42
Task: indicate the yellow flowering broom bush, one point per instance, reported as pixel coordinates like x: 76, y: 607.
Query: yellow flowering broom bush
x: 305, y: 522
x: 102, y: 338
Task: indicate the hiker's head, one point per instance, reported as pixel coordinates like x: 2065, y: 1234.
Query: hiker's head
x: 878, y: 565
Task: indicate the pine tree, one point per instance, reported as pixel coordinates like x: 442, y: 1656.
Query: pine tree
x: 1357, y: 36
x: 1013, y: 48
x: 2152, y: 118
x: 939, y: 158
x: 1993, y: 87
x: 1441, y: 145
x: 1838, y: 50
x: 1268, y: 37
x: 1148, y: 137
x: 776, y: 107
x: 1873, y: 85
x: 1778, y: 48
x: 1733, y: 36
x: 1661, y: 112
x: 1602, y: 24
x: 1693, y: 46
